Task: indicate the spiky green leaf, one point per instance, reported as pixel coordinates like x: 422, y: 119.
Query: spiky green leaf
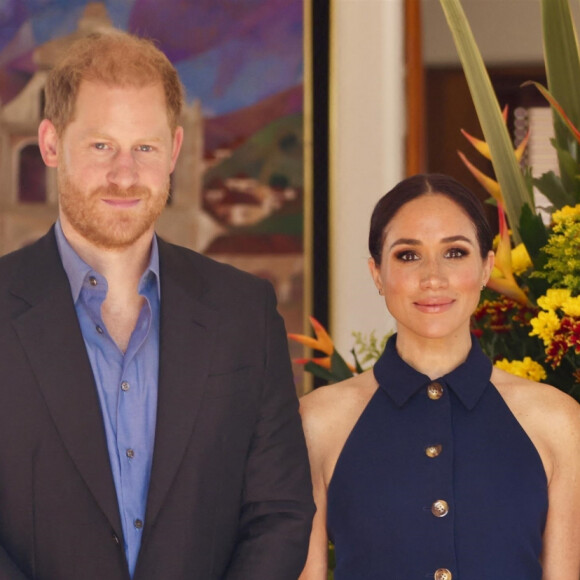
x: 505, y: 165
x: 563, y: 75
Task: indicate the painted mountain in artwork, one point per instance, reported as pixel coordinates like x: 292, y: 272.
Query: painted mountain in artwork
x: 230, y: 130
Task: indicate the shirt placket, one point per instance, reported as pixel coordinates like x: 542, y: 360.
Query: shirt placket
x: 133, y: 457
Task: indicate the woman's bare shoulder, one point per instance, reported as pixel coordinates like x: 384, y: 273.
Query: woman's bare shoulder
x: 330, y: 401
x: 531, y: 396
x: 329, y: 414
x: 550, y: 417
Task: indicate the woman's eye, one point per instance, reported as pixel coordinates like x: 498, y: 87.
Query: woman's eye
x: 456, y: 253
x: 407, y: 256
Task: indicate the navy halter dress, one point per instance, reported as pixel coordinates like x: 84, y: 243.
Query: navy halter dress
x: 437, y: 480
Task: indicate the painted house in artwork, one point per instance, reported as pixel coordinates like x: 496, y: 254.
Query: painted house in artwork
x: 28, y: 197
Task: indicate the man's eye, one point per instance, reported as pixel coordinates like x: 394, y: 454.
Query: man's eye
x: 100, y: 146
x: 145, y: 148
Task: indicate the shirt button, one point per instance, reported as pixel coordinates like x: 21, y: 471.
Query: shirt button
x: 440, y: 508
x: 443, y: 574
x: 125, y: 386
x: 434, y: 391
x: 433, y: 450
x: 99, y: 329
x: 92, y: 281
x: 130, y: 453
x: 138, y: 524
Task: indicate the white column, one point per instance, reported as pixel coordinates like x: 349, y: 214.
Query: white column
x: 367, y: 152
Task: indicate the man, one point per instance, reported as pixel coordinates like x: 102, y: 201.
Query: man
x: 148, y: 420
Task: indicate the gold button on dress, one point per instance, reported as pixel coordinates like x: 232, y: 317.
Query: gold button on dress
x: 440, y: 508
x: 435, y: 391
x: 433, y: 450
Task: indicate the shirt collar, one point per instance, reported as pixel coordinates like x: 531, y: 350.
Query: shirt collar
x: 401, y: 381
x: 77, y: 269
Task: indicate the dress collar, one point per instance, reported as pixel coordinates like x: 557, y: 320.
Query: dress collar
x: 401, y: 381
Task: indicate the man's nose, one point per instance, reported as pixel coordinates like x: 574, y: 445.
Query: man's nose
x: 123, y: 171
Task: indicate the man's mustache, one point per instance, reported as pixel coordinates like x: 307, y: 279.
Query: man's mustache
x: 113, y: 191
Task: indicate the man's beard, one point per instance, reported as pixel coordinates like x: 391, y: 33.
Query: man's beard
x: 106, y: 227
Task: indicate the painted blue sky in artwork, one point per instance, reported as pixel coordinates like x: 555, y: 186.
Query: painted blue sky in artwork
x: 230, y: 53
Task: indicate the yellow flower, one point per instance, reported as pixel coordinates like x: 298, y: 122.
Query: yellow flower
x: 502, y: 279
x: 545, y: 325
x: 571, y: 307
x: 554, y: 298
x: 566, y: 213
x: 527, y: 368
x: 520, y: 259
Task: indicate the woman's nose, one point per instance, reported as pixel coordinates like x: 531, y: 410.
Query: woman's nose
x: 433, y: 275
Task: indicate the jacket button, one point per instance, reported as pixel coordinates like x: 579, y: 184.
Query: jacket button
x: 435, y: 391
x: 443, y: 574
x: 440, y: 508
x: 433, y: 450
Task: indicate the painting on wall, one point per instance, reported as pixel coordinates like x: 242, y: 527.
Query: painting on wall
x: 237, y: 193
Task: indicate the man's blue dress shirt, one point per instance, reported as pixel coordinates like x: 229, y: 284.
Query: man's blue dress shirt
x: 126, y: 384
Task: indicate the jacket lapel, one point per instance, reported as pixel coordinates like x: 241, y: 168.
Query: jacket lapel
x: 187, y: 338
x: 50, y: 334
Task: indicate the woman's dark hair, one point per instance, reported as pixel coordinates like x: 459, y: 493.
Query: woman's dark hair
x: 416, y: 186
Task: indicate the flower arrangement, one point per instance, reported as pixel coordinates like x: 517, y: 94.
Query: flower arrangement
x: 528, y: 320
x: 332, y: 368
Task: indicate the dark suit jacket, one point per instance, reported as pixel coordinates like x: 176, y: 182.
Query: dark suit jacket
x: 230, y: 492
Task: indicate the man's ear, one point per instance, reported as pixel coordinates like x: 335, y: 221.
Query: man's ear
x: 176, y: 147
x: 48, y: 143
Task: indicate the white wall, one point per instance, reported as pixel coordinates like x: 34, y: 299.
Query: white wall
x: 508, y: 32
x: 367, y: 152
x: 368, y: 124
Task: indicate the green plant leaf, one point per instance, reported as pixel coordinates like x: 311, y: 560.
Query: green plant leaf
x: 551, y: 186
x: 562, y: 66
x: 558, y: 109
x: 534, y: 235
x: 320, y: 372
x: 505, y: 165
x: 338, y: 367
x: 357, y: 364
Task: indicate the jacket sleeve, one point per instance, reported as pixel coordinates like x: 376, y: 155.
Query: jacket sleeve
x: 278, y: 508
x: 8, y: 569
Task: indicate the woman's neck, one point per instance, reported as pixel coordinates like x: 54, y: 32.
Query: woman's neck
x: 434, y: 357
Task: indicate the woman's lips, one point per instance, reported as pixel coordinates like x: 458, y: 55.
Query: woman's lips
x: 435, y: 305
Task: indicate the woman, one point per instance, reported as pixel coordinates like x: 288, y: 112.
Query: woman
x: 434, y: 464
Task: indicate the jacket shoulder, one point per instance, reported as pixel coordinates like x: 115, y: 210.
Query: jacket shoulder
x: 192, y: 266
x: 37, y: 259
